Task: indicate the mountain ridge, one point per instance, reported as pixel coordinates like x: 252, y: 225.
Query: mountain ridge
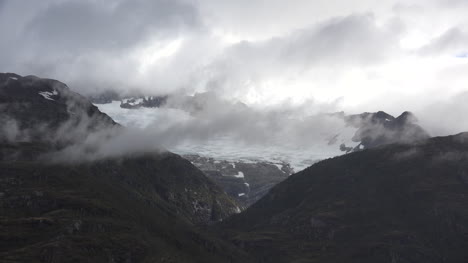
x: 392, y: 203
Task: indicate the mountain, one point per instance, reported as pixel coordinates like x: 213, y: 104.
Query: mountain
x: 401, y: 197
x: 36, y: 109
x: 144, y: 101
x: 141, y: 207
x: 379, y: 128
x: 128, y: 101
x: 393, y: 203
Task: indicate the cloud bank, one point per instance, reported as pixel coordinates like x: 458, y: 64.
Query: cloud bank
x: 367, y: 56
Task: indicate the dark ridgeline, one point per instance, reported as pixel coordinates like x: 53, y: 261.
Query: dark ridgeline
x: 146, y: 102
x: 128, y: 101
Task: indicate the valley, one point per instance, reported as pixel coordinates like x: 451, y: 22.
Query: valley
x: 72, y: 192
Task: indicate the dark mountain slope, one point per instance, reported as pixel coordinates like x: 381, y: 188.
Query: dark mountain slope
x: 398, y: 203
x: 127, y: 210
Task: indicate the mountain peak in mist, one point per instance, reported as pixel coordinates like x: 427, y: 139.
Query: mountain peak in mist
x: 380, y: 128
x: 45, y: 109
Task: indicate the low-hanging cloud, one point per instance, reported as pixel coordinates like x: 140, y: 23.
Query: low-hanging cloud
x: 214, y: 116
x: 209, y: 125
x: 106, y: 143
x: 235, y: 123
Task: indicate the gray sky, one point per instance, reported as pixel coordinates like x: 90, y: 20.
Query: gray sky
x: 357, y: 55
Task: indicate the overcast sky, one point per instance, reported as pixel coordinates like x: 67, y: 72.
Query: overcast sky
x: 360, y: 55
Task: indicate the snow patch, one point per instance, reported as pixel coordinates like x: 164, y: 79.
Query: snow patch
x: 279, y: 165
x: 239, y: 175
x: 13, y: 78
x: 241, y: 194
x: 247, y: 184
x: 47, y: 94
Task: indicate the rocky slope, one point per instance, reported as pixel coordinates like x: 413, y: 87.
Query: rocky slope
x: 244, y: 181
x: 394, y: 203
